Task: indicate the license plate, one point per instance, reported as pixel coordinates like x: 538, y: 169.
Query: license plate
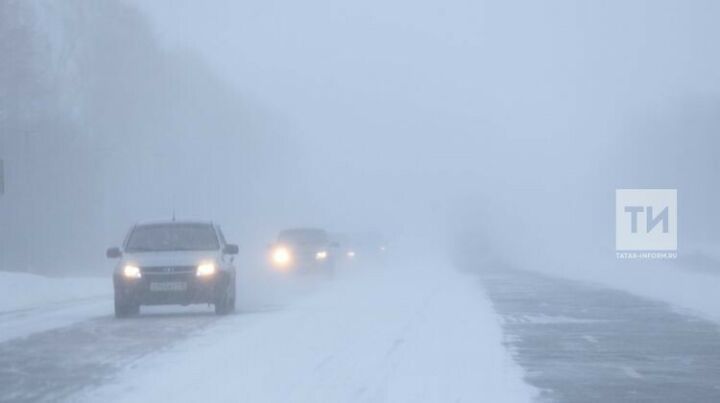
x: 169, y: 286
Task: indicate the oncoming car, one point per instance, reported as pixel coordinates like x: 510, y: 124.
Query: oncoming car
x: 304, y: 250
x: 361, y: 248
x: 169, y: 263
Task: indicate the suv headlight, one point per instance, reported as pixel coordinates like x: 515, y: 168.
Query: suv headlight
x: 131, y: 271
x: 281, y: 256
x: 206, y: 269
x: 322, y: 255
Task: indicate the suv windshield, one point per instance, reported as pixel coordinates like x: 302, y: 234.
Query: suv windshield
x: 303, y: 237
x: 171, y: 237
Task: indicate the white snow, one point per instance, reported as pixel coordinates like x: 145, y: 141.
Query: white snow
x: 414, y: 335
x: 20, y: 291
x: 546, y: 319
x: 689, y: 283
x: 30, y: 303
x: 667, y: 281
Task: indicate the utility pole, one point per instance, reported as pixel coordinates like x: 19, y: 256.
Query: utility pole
x: 27, y: 205
x: 2, y: 177
x: 2, y: 214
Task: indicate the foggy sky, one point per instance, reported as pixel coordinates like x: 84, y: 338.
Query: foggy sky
x: 518, y: 118
x: 513, y: 121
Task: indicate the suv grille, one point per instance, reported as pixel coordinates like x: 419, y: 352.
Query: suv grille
x: 160, y: 270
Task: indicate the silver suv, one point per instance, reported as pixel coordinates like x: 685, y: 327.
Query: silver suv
x: 166, y: 263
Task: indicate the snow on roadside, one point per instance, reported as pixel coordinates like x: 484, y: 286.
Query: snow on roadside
x: 31, y: 304
x: 20, y: 291
x: 419, y: 335
x: 688, y: 283
x: 670, y: 281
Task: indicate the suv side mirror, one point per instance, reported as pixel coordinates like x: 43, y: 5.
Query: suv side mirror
x: 231, y: 249
x: 113, y: 253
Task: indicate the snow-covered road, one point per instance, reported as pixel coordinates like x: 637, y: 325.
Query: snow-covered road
x: 583, y: 342
x: 407, y: 333
x: 31, y: 303
x: 53, y: 365
x: 26, y: 322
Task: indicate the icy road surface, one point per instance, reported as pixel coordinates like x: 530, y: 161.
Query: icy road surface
x: 52, y: 365
x: 403, y: 334
x: 582, y: 343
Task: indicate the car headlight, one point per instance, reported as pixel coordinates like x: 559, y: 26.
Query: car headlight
x: 206, y: 269
x: 351, y: 254
x: 131, y: 271
x: 281, y: 256
x: 322, y: 255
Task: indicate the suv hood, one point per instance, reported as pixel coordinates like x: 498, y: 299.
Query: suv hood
x: 171, y: 258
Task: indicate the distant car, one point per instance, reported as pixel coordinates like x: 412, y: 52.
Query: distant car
x: 168, y: 263
x: 360, y: 248
x: 345, y: 252
x: 304, y: 250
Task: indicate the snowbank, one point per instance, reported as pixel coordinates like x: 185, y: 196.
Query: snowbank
x: 681, y: 283
x: 26, y: 291
x: 689, y: 283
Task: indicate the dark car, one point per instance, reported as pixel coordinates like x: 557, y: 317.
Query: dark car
x: 304, y: 250
x: 168, y: 263
x: 364, y: 249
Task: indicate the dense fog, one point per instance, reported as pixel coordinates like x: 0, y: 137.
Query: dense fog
x: 492, y: 128
x: 411, y: 201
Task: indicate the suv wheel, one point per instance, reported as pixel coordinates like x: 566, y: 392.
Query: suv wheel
x: 226, y: 303
x: 123, y: 308
x: 221, y: 306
